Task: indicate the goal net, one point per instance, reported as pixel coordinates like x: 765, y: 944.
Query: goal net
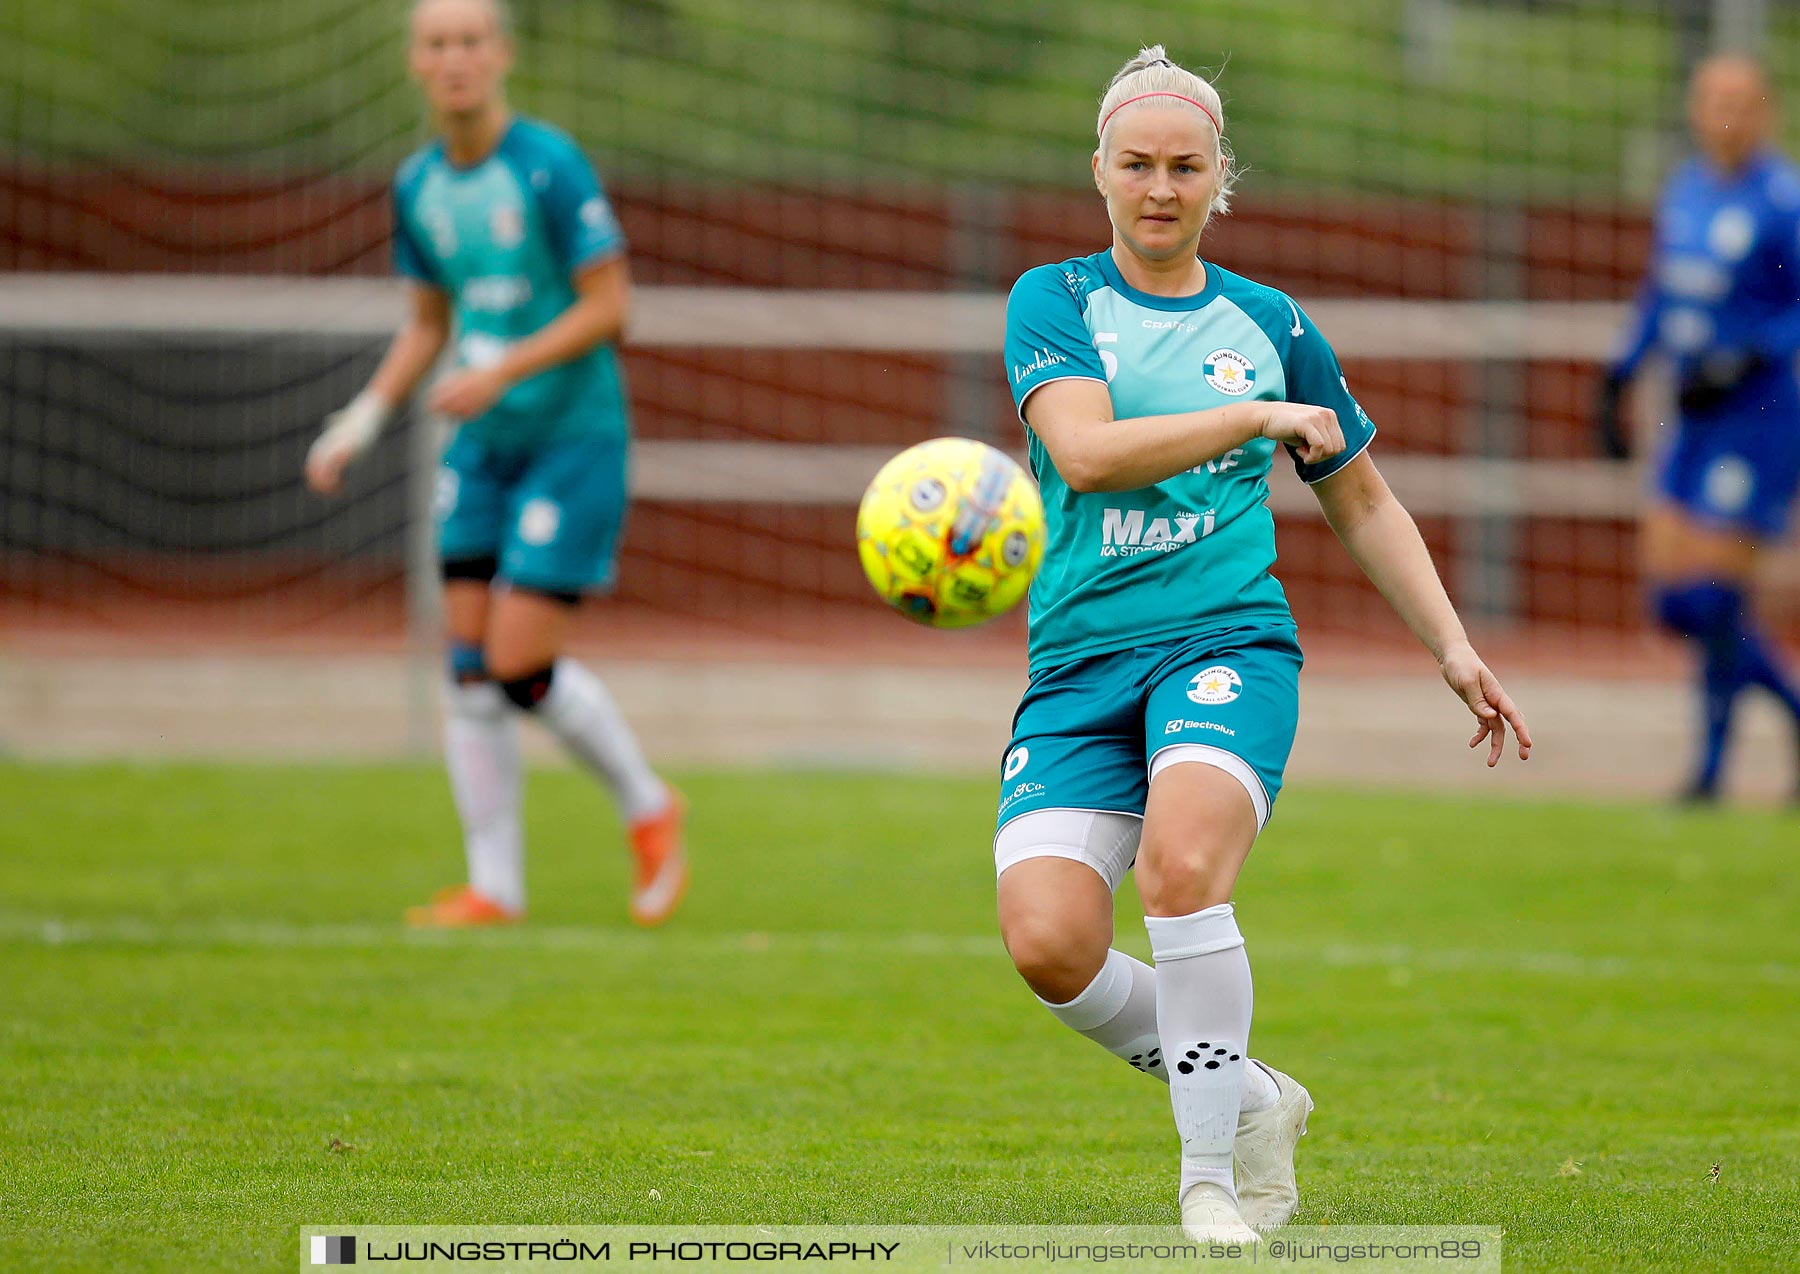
x: 826, y: 203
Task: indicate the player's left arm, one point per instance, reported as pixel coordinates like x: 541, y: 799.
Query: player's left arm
x: 602, y: 304
x: 1385, y: 542
x: 1383, y: 539
x: 585, y: 236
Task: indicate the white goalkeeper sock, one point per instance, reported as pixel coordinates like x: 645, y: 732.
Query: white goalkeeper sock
x: 481, y: 751
x: 1118, y: 1012
x: 1203, y: 1005
x: 580, y: 712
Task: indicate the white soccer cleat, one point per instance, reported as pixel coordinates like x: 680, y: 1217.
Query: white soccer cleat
x: 1263, y: 1154
x: 1210, y: 1215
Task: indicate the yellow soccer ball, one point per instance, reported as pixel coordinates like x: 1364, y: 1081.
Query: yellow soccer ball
x: 950, y: 532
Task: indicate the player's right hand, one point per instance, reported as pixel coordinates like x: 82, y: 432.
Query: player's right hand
x: 347, y: 434
x: 1311, y: 433
x: 1607, y: 423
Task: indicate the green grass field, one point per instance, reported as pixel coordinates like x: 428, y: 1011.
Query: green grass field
x: 1550, y: 1018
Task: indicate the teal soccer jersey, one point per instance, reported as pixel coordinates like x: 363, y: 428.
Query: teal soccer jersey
x: 1192, y: 554
x: 505, y: 239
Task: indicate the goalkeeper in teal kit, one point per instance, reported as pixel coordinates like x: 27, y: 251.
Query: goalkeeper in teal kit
x: 1157, y: 390
x: 515, y: 261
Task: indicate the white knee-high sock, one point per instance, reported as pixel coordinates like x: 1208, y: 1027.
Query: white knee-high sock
x: 580, y: 712
x: 1118, y: 1012
x: 1203, y: 1006
x: 481, y: 751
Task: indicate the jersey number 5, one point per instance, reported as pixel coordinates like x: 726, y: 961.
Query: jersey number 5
x: 1108, y: 359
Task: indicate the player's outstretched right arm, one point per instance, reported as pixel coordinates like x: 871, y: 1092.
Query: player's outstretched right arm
x: 1635, y: 342
x: 351, y: 430
x: 1074, y: 418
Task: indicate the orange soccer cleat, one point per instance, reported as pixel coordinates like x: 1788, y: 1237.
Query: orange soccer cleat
x: 460, y: 907
x: 662, y: 868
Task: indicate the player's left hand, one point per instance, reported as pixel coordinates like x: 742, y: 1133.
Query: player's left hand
x: 1714, y: 377
x: 467, y: 394
x: 1493, y: 708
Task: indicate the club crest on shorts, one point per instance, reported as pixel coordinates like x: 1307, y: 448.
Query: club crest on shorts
x: 539, y: 521
x: 1730, y: 483
x: 1229, y: 372
x: 1217, y: 684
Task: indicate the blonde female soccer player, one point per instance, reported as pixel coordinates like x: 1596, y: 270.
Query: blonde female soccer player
x: 513, y: 253
x: 1156, y: 389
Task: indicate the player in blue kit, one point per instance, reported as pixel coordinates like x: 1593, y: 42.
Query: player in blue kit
x: 1156, y: 389
x: 1723, y: 303
x: 514, y: 257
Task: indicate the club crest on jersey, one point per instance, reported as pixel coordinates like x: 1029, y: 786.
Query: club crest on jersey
x: 506, y: 227
x: 1731, y: 233
x: 1230, y: 372
x: 1217, y: 684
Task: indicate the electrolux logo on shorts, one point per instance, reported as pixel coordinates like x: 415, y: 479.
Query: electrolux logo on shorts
x: 1180, y: 724
x: 1127, y: 532
x: 1217, y: 684
x: 1041, y: 360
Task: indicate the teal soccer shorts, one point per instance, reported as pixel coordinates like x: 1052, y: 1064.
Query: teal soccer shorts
x: 1088, y: 734
x: 550, y: 514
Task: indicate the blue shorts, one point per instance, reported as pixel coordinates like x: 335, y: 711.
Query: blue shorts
x: 1088, y: 733
x: 1735, y: 472
x: 551, y: 515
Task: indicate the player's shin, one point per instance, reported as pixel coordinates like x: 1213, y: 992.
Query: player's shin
x: 1203, y: 1006
x: 1711, y: 615
x: 577, y: 708
x: 1117, y: 1011
x: 481, y: 752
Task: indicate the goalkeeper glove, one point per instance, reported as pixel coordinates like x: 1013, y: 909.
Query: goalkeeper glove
x: 1712, y: 378
x: 1613, y: 442
x: 348, y: 433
